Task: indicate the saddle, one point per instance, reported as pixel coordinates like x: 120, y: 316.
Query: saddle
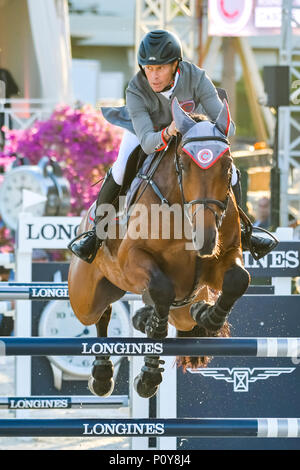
x: 138, y: 163
x: 134, y: 163
x: 137, y: 168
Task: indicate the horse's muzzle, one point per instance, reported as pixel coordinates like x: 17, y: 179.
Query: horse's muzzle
x: 208, y: 242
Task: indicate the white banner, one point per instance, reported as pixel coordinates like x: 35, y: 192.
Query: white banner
x: 247, y: 17
x: 46, y: 232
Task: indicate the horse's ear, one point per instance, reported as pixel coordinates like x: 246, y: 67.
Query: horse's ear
x: 224, y: 119
x: 182, y: 120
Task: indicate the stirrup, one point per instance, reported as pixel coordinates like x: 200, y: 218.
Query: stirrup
x: 248, y: 229
x: 255, y: 252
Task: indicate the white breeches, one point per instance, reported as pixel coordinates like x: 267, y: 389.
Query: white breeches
x: 128, y: 144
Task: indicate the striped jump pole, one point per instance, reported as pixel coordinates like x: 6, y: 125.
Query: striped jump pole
x: 185, y: 427
x: 42, y: 291
x: 62, y: 403
x: 59, y: 291
x: 259, y: 347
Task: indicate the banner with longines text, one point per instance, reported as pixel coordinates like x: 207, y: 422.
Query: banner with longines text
x: 46, y: 232
x: 57, y: 232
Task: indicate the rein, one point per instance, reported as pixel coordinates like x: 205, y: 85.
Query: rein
x: 149, y: 177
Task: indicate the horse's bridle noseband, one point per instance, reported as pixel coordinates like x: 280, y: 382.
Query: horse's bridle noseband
x: 205, y: 201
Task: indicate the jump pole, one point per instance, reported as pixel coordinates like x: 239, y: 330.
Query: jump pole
x: 184, y: 427
x: 257, y: 347
x: 43, y: 291
x: 60, y: 402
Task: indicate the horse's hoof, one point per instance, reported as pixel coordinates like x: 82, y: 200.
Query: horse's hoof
x: 143, y: 389
x: 101, y: 388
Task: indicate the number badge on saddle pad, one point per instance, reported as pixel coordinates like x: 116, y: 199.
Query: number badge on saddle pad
x: 211, y: 134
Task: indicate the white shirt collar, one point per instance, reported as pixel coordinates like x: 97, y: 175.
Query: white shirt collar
x: 167, y: 94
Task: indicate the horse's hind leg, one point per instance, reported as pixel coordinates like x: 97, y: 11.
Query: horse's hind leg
x: 101, y: 381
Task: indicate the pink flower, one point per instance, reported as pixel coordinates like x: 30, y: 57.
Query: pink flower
x: 81, y: 141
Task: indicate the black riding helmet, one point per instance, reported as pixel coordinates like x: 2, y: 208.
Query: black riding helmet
x: 159, y: 47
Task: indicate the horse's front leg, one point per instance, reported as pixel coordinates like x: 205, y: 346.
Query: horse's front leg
x: 212, y: 317
x: 160, y: 295
x: 101, y: 381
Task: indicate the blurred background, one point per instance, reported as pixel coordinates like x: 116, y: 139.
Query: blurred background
x: 60, y: 60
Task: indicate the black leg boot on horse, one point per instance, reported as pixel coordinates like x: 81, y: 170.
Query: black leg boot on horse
x: 259, y: 246
x: 86, y: 245
x: 158, y: 298
x: 101, y: 382
x: 213, y: 317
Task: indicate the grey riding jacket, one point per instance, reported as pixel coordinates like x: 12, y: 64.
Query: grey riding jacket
x: 148, y: 113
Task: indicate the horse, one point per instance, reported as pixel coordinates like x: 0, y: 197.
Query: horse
x: 191, y: 282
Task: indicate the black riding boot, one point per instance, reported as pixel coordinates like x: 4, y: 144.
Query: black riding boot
x: 261, y: 246
x: 86, y: 245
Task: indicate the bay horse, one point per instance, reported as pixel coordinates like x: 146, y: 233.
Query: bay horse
x: 174, y: 281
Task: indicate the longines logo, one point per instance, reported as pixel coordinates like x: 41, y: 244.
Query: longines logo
x: 51, y: 231
x: 241, y: 377
x: 123, y: 428
x: 275, y: 259
x: 122, y: 349
x: 44, y: 292
x: 24, y: 403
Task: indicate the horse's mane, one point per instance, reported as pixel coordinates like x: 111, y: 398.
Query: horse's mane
x: 198, y: 117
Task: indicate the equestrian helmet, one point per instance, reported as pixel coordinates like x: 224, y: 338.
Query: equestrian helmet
x: 159, y: 47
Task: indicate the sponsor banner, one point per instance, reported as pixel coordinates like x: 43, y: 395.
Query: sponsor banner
x: 38, y: 403
x: 46, y: 232
x: 122, y: 349
x: 248, y: 17
x: 128, y: 429
x: 244, y: 386
x: 57, y: 232
x: 48, y: 293
x: 284, y: 261
x: 241, y: 377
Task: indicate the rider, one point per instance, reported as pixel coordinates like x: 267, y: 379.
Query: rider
x: 147, y: 118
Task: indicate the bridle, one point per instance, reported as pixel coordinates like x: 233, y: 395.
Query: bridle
x: 148, y: 178
x: 205, y: 201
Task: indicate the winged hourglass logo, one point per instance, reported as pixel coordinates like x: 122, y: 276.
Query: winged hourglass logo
x: 241, y: 377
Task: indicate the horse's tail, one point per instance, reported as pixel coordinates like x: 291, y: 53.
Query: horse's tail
x: 195, y: 362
